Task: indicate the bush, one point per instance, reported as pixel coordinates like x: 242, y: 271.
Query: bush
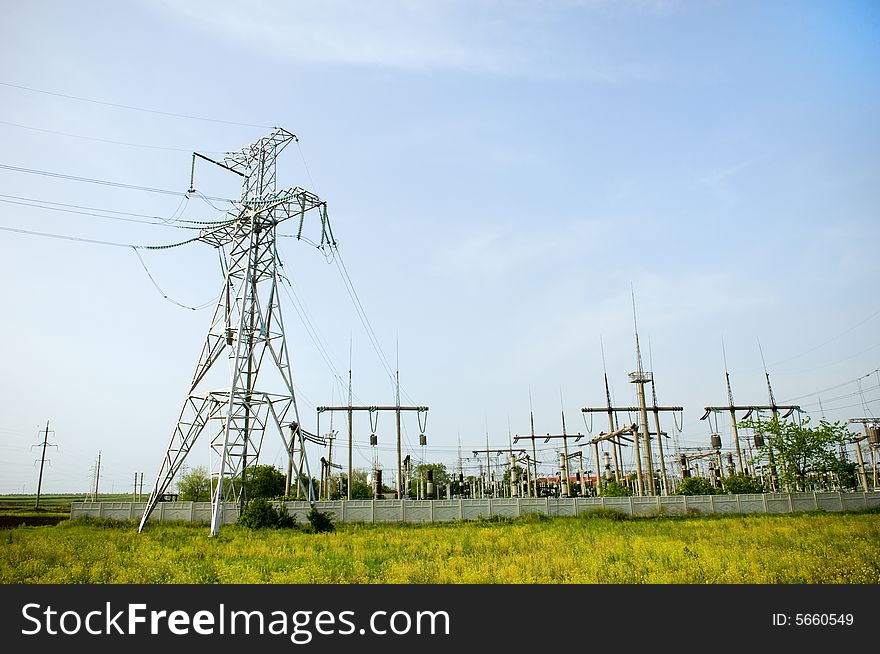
x: 608, y: 514
x: 697, y: 486
x: 320, y: 521
x: 613, y: 489
x: 741, y: 484
x: 261, y: 514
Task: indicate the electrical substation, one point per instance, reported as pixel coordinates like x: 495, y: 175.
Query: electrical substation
x: 242, y: 395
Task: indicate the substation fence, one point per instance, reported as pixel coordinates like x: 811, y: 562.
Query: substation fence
x: 416, y: 511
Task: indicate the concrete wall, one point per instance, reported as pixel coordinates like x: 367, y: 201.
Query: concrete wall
x: 450, y: 510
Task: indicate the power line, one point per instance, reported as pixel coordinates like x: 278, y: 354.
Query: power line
x: 103, y: 182
x: 92, y: 138
x: 131, y: 107
x: 41, y: 204
x: 833, y: 338
x: 836, y: 386
x: 114, y: 211
x: 164, y: 294
x: 96, y: 241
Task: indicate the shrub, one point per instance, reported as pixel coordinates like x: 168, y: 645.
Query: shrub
x: 613, y: 489
x: 741, y: 484
x: 489, y: 519
x: 319, y: 520
x: 261, y: 514
x: 609, y: 514
x: 697, y: 486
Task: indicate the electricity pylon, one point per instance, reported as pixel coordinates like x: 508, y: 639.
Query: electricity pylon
x: 246, y: 327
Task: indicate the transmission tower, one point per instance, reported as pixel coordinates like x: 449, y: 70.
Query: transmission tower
x: 247, y: 330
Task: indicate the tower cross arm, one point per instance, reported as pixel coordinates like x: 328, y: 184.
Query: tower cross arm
x: 629, y: 409
x: 749, y: 408
x: 266, y: 211
x: 322, y: 409
x: 606, y: 436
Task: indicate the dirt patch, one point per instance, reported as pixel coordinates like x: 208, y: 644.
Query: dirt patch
x: 12, y: 521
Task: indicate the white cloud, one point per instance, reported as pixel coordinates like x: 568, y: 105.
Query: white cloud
x: 482, y: 37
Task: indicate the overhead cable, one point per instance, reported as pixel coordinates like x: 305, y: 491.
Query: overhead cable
x: 132, y: 107
x: 103, y: 182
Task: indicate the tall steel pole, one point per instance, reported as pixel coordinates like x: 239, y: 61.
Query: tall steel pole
x: 42, y: 462
x: 565, y: 450
x: 399, y: 457
x: 97, y: 475
x: 732, y: 413
x: 534, y: 451
x: 663, y: 482
x: 350, y: 432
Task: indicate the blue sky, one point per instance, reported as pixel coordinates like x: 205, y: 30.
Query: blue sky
x: 499, y: 176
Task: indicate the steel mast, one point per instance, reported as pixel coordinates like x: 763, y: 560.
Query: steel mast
x: 247, y: 330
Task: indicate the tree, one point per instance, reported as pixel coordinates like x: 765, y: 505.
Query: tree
x: 697, y: 486
x: 195, y: 485
x: 845, y: 471
x: 797, y: 448
x: 360, y: 489
x: 614, y: 489
x: 264, y: 481
x: 262, y: 514
x: 740, y: 484
x: 420, y: 474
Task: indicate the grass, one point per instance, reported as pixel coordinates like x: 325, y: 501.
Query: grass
x: 832, y: 548
x: 51, y: 503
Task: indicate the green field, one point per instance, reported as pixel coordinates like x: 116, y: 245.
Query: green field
x: 53, y: 503
x: 765, y: 549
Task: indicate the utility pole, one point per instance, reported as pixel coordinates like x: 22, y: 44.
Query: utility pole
x: 547, y: 438
x: 616, y: 448
x: 301, y: 436
x: 641, y: 377
x: 749, y: 409
x: 872, y: 435
x: 580, y: 471
x: 42, y: 460
x: 247, y: 328
x: 632, y: 409
x: 609, y: 436
x: 615, y: 445
x: 397, y: 420
x: 397, y: 408
x: 534, y: 454
x: 97, y: 475
x: 567, y: 485
x: 664, y: 485
x: 350, y: 429
x: 497, y: 450
x: 732, y: 408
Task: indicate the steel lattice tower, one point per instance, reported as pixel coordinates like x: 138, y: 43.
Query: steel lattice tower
x: 247, y: 329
